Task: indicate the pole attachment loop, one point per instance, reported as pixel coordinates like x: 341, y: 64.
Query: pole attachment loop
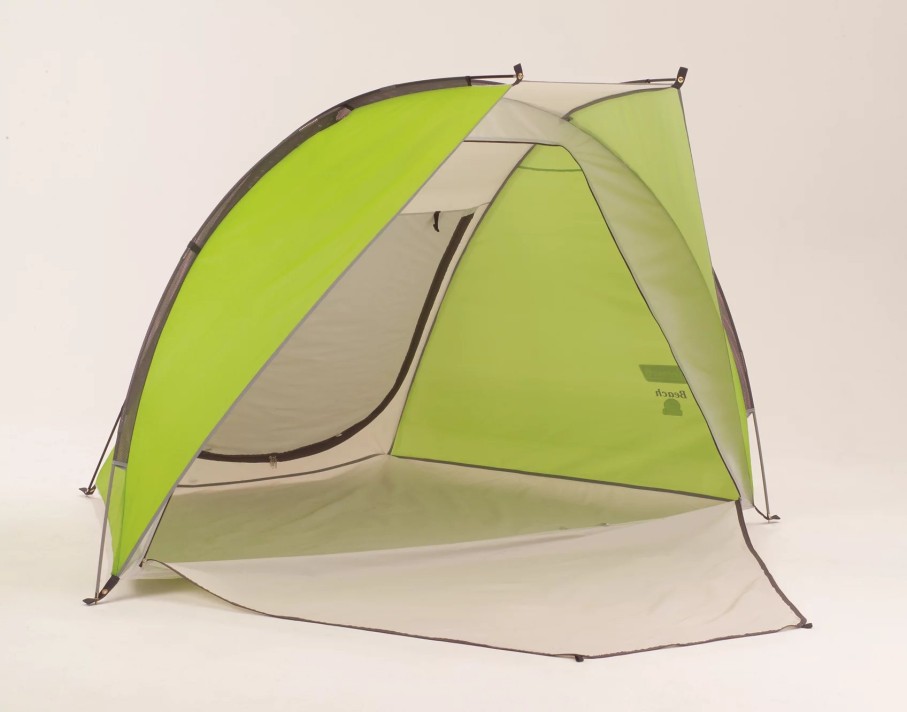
x: 680, y: 78
x: 108, y: 587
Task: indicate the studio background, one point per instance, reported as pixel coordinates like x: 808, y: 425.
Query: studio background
x: 123, y: 124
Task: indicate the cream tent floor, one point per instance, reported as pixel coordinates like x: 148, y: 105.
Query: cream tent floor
x: 501, y: 559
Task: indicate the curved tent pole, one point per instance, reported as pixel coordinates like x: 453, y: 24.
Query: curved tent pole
x: 90, y: 489
x: 100, y: 592
x: 768, y: 512
x: 740, y: 362
x: 676, y: 81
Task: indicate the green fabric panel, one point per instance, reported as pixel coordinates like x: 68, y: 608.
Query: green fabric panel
x: 269, y: 262
x: 115, y: 512
x: 534, y: 360
x: 648, y: 132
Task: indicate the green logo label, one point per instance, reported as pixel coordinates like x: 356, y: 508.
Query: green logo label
x: 662, y: 374
x: 672, y: 401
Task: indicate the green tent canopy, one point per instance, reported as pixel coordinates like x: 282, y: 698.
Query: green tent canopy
x: 451, y: 362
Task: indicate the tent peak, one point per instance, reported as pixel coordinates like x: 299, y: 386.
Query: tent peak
x: 517, y: 75
x: 676, y: 81
x: 681, y: 77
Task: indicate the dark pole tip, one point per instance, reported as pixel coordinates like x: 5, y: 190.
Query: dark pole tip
x: 680, y: 78
x: 111, y: 582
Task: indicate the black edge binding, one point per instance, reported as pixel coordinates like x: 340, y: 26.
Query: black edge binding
x: 681, y: 78
x: 730, y: 329
x: 108, y: 587
x: 328, y: 443
x: 577, y: 657
x: 771, y: 579
x: 746, y: 387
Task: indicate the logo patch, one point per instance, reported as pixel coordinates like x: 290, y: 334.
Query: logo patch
x: 672, y: 401
x: 662, y: 374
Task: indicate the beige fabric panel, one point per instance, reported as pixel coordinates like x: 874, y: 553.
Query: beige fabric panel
x: 595, y: 591
x: 376, y: 437
x: 470, y: 176
x: 384, y: 502
x: 562, y: 98
x: 344, y: 357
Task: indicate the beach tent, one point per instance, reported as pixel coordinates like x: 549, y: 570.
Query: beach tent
x: 451, y: 362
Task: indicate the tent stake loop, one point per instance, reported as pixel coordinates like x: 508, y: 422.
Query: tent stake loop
x: 111, y: 582
x: 681, y: 77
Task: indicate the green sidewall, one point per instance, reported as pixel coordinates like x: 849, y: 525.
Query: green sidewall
x: 648, y: 131
x: 264, y: 267
x: 534, y: 360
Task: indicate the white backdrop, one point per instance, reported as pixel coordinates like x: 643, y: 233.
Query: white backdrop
x: 124, y: 123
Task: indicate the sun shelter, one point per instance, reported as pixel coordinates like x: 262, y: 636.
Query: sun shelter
x: 451, y: 362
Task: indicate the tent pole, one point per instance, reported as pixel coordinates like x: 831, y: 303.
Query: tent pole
x: 99, y: 592
x: 768, y: 512
x: 87, y: 491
